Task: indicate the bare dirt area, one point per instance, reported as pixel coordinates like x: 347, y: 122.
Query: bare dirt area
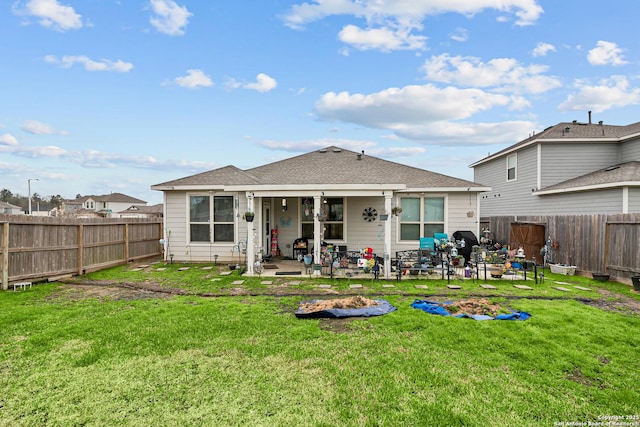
x: 615, y: 302
x: 103, y: 293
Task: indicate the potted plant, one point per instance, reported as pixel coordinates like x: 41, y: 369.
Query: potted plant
x: 396, y: 210
x: 248, y: 216
x: 458, y: 260
x: 384, y: 216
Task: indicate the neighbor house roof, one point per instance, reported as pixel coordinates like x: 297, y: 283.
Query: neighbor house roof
x: 330, y: 166
x: 568, y: 132
x: 5, y: 205
x: 112, y: 197
x: 623, y: 174
x: 154, y: 209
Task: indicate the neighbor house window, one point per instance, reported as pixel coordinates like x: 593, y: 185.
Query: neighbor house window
x: 511, y: 167
x: 333, y: 218
x: 201, y: 211
x: 421, y: 217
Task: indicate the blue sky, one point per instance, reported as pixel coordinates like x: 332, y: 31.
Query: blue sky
x: 103, y: 96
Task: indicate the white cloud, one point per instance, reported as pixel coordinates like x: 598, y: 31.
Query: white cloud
x: 606, y: 53
x: 96, y: 159
x: 426, y: 113
x: 170, y: 18
x: 8, y: 139
x: 460, y: 35
x: 502, y: 74
x: 613, y: 92
x: 385, y: 39
x: 194, y: 79
x: 525, y: 11
x: 90, y: 64
x: 38, y: 128
x: 264, y: 83
x: 542, y: 49
x: 52, y: 14
x: 304, y: 146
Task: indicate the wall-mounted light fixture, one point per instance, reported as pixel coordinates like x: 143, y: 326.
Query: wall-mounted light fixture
x: 284, y: 205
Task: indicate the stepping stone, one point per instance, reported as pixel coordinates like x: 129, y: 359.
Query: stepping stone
x: 421, y: 287
x: 225, y: 273
x: 267, y: 282
x: 136, y: 269
x: 560, y: 288
x: 184, y: 268
x: 143, y: 266
x: 581, y: 288
x: 294, y: 283
x: 388, y: 286
x: 207, y: 268
x: 216, y: 280
x: 523, y: 287
x: 237, y: 282
x: 561, y: 283
x: 454, y: 287
x: 355, y: 286
x: 324, y: 286
x: 161, y: 269
x: 488, y: 286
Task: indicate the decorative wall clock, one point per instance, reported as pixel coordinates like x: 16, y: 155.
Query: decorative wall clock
x: 369, y: 214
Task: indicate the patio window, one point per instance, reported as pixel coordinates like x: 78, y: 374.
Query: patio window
x: 512, y: 161
x: 201, y: 211
x: 333, y: 225
x: 421, y: 217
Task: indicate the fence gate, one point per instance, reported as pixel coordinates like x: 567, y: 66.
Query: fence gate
x: 529, y: 237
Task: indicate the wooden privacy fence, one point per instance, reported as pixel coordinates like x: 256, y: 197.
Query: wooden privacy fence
x: 35, y: 248
x: 593, y: 243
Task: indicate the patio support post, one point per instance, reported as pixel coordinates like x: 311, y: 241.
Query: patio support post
x: 387, y: 236
x: 317, y: 232
x: 250, y: 238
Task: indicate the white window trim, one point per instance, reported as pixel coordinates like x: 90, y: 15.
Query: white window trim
x: 421, y: 222
x: 211, y: 223
x: 515, y: 167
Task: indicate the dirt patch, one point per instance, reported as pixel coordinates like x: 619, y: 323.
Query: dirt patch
x: 615, y: 303
x: 474, y: 307
x: 103, y: 293
x: 351, y: 302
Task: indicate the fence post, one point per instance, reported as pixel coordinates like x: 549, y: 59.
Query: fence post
x: 80, y: 248
x: 126, y: 243
x: 5, y: 256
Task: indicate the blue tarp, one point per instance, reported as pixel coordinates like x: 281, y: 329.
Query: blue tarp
x: 435, y: 307
x: 383, y: 307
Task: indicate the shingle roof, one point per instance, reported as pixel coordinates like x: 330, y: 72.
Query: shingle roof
x: 113, y: 197
x: 628, y: 172
x: 330, y: 165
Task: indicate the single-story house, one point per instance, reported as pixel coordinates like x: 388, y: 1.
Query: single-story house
x: 328, y: 195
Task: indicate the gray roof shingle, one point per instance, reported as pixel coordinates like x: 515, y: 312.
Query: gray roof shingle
x: 610, y: 176
x: 330, y: 165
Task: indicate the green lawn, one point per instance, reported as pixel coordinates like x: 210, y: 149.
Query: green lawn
x: 71, y: 357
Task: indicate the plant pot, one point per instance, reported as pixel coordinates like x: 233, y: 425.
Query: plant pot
x: 496, y: 271
x: 636, y: 282
x: 249, y: 218
x: 600, y: 277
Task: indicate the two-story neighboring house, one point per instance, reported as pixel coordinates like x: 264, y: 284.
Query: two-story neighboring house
x: 568, y: 169
x: 100, y: 206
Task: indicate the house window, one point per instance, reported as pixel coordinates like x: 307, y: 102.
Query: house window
x: 511, y: 167
x: 333, y: 211
x: 421, y: 217
x: 200, y: 213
